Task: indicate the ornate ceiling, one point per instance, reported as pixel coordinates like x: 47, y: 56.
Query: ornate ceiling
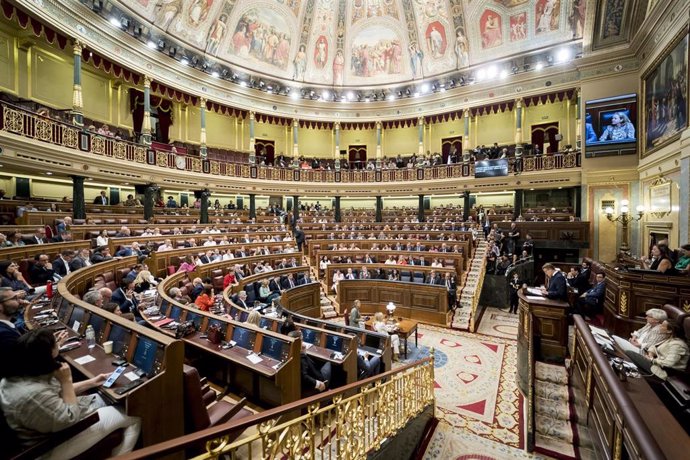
x: 355, y: 43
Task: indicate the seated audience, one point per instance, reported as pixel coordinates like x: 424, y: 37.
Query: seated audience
x: 41, y: 271
x: 81, y: 259
x: 38, y: 397
x: 205, y: 300
x: 650, y: 334
x: 312, y: 377
x: 254, y: 318
x: 683, y: 264
x: 125, y: 298
x: 660, y: 260
x: 591, y: 302
x: 668, y: 356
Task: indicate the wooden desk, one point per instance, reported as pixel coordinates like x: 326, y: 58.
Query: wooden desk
x: 405, y: 328
x: 449, y: 259
x: 627, y: 419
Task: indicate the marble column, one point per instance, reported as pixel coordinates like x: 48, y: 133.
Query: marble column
x: 578, y: 121
x: 78, y: 205
x: 379, y: 209
x: 519, y: 146
x: 202, y: 150
x: 149, y: 199
x: 252, y: 206
x: 420, y: 209
x: 295, y: 142
x: 146, y: 122
x: 466, y: 206
x: 420, y: 136
x: 466, y: 142
x: 295, y: 211
x: 203, y: 211
x: 684, y: 204
x: 379, y: 129
x: 517, y: 203
x: 252, y: 140
x: 77, y: 101
x: 338, y: 217
x: 337, y: 147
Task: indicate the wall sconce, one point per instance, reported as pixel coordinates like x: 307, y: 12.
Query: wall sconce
x: 391, y: 309
x: 624, y: 218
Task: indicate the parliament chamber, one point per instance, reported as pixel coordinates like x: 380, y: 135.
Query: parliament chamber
x: 334, y: 229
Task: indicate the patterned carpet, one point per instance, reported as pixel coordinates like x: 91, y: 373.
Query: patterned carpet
x: 498, y: 323
x: 476, y: 393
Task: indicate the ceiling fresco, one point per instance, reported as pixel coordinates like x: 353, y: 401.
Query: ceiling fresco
x: 362, y: 42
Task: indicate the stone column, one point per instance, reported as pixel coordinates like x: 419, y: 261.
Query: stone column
x: 77, y: 102
x: 78, y: 205
x: 684, y: 184
x: 202, y: 150
x: 149, y: 198
x: 420, y: 209
x: 146, y: 122
x: 338, y: 218
x: 295, y: 142
x: 466, y: 206
x: 517, y: 204
x: 252, y: 140
x: 519, y: 146
x: 379, y: 209
x: 379, y: 128
x: 295, y: 211
x: 252, y: 206
x: 337, y: 150
x: 420, y: 136
x: 203, y: 211
x: 578, y: 121
x: 466, y: 143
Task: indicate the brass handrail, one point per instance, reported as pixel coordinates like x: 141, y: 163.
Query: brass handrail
x: 355, y: 420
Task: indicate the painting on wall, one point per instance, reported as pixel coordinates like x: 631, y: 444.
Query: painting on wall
x: 262, y: 35
x: 321, y: 52
x: 546, y: 13
x: 490, y: 27
x: 576, y: 19
x: 518, y: 27
x: 666, y: 97
x: 613, y: 18
x: 363, y: 9
x: 436, y: 39
x: 376, y: 51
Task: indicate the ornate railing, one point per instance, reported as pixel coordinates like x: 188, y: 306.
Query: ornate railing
x: 355, y: 421
x: 22, y: 122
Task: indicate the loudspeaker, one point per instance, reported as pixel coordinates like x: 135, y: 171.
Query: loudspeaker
x: 197, y: 193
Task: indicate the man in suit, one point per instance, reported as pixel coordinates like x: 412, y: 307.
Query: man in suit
x: 350, y: 275
x: 299, y: 237
x: 452, y: 289
x: 591, y: 302
x: 369, y: 260
x: 63, y: 226
x: 197, y: 288
x: 41, y: 271
x: 101, y: 254
x: 10, y: 306
x: 312, y: 377
x: 434, y: 278
x: 577, y: 280
x: 101, y: 199
x: 422, y: 262
x: 289, y: 282
x: 61, y: 265
x: 558, y: 288
x: 62, y: 237
x: 240, y: 299
x: 125, y: 298
x: 81, y: 260
x: 39, y: 237
x: 364, y: 274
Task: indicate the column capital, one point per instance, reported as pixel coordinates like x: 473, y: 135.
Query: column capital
x: 295, y: 122
x: 147, y: 81
x: 466, y: 113
x: 252, y: 114
x: 336, y: 125
x: 518, y: 102
x: 420, y: 120
x: 202, y: 102
x: 77, y: 47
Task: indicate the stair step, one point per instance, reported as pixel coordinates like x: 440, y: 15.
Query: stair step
x: 552, y: 408
x: 553, y: 391
x: 551, y: 373
x: 559, y: 446
x: 553, y: 428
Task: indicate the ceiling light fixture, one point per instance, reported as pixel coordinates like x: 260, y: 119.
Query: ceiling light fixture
x: 539, y: 66
x: 215, y: 74
x: 563, y: 55
x: 492, y: 71
x: 184, y: 61
x: 425, y: 88
x: 151, y: 44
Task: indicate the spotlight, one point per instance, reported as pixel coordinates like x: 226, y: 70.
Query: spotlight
x: 481, y: 74
x: 151, y: 44
x: 161, y: 45
x: 416, y: 94
x: 114, y: 22
x: 184, y: 61
x: 215, y: 74
x: 391, y: 97
x: 366, y: 99
x: 539, y: 66
x: 294, y: 95
x: 243, y: 84
x: 350, y: 96
x: 504, y: 73
x: 563, y: 55
x: 425, y: 88
x: 325, y: 95
x: 492, y: 71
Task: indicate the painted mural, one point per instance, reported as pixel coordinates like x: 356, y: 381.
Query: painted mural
x: 351, y: 42
x: 262, y: 35
x: 490, y: 27
x: 613, y: 18
x: 376, y: 51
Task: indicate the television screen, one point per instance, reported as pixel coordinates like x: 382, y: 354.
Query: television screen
x: 491, y: 168
x: 145, y: 354
x: 274, y: 348
x: 310, y: 336
x: 175, y: 312
x: 243, y: 337
x: 610, y: 121
x: 120, y: 338
x: 65, y: 311
x: 97, y: 322
x: 373, y: 341
x: 334, y: 342
x: 77, y: 316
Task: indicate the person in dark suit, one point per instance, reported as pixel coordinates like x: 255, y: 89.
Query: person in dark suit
x: 240, y: 299
x: 289, y: 282
x: 299, y: 237
x: 312, y: 376
x: 41, y: 271
x: 452, y: 289
x: 591, y: 302
x: 515, y: 286
x: 61, y: 265
x: 558, y: 288
x: 10, y: 306
x: 101, y: 199
x: 39, y: 237
x: 101, y: 254
x: 434, y: 278
x: 577, y: 280
x: 81, y: 260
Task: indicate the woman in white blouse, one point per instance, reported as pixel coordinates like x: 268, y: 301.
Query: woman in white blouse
x: 380, y: 326
x: 337, y: 277
x: 102, y: 239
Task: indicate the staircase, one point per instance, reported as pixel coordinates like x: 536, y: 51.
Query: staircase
x: 471, y: 289
x: 555, y: 422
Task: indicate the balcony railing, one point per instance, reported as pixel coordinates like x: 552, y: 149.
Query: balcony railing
x: 354, y: 421
x: 24, y: 123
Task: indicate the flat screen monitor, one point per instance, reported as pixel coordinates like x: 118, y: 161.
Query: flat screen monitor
x: 77, y: 315
x: 120, y: 338
x: 175, y: 313
x: 311, y: 336
x: 274, y: 348
x: 266, y: 323
x: 243, y: 316
x: 145, y: 354
x: 610, y: 126
x: 334, y: 342
x: 195, y: 318
x: 491, y: 168
x: 65, y: 311
x: 97, y: 322
x: 243, y: 337
x: 372, y: 341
